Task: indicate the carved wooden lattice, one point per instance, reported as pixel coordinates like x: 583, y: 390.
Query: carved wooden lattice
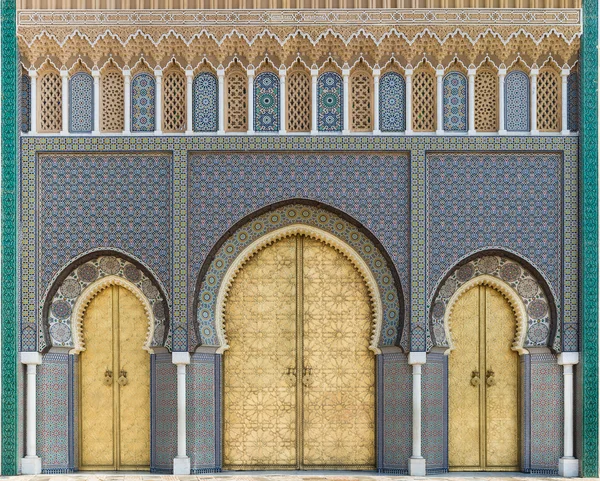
x: 486, y: 101
x: 174, y: 102
x: 361, y: 91
x: 423, y: 101
x: 112, y: 99
x: 237, y: 101
x: 50, y: 103
x: 548, y: 101
x: 299, y: 101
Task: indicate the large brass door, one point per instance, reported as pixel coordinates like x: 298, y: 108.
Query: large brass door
x: 115, y: 384
x: 483, y: 432
x: 299, y: 376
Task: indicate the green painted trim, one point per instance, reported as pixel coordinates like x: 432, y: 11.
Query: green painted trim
x: 8, y: 59
x: 589, y: 238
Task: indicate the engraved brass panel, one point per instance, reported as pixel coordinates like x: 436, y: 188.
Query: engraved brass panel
x: 339, y: 424
x: 299, y: 377
x: 115, y: 417
x: 483, y: 417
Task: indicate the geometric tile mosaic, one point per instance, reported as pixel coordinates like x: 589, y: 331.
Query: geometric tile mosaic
x: 516, y: 104
x: 455, y: 102
x: 392, y: 99
x: 330, y: 102
x: 25, y: 103
x: 266, y: 102
x: 224, y: 188
x: 163, y: 418
x: 434, y: 413
x: 205, y: 98
x: 81, y: 103
x: 143, y: 93
x: 573, y: 101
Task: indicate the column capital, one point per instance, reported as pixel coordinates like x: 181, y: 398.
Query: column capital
x: 65, y: 73
x: 534, y: 72
x: 251, y: 72
x: 501, y: 72
x: 345, y: 72
x: 376, y: 72
x: 95, y: 72
x: 568, y: 358
x: 158, y: 72
x: 565, y: 72
x: 220, y: 71
x: 439, y: 72
x: 181, y: 358
x: 189, y: 73
x: 126, y: 72
x: 417, y: 358
x: 282, y: 72
x: 30, y: 358
x: 471, y: 72
x: 32, y: 73
x: 408, y: 72
x: 314, y: 72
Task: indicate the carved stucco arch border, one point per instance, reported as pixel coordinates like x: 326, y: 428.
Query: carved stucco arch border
x: 513, y: 298
x: 314, y: 233
x: 88, y: 295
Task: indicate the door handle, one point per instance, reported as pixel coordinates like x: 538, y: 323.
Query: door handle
x: 291, y: 376
x: 490, y: 380
x: 123, y: 381
x: 475, y: 378
x: 108, y: 377
x: 306, y: 374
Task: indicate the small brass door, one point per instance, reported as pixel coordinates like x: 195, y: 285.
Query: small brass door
x: 483, y: 432
x: 299, y: 378
x: 115, y: 384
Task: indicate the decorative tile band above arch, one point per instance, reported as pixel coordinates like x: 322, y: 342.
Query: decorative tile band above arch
x: 539, y: 319
x: 287, y: 216
x: 62, y: 315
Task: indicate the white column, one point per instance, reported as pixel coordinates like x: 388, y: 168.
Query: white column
x: 127, y: 97
x: 96, y: 77
x: 416, y: 463
x: 564, y: 75
x: 189, y: 109
x: 439, y: 100
x: 376, y: 75
x: 408, y: 102
x: 221, y: 78
x: 64, y: 76
x: 33, y: 75
x: 533, y: 100
x: 31, y: 463
x: 471, y: 99
x: 158, y: 107
x: 346, y: 95
x: 251, y: 73
x: 568, y: 465
x: 282, y: 103
x: 181, y: 464
x: 314, y: 75
x: 501, y: 121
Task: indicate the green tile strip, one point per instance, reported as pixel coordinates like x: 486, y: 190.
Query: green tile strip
x: 8, y: 312
x: 589, y: 238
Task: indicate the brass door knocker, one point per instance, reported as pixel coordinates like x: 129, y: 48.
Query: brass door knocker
x: 291, y: 376
x: 475, y: 378
x: 490, y: 380
x: 108, y: 377
x: 123, y: 381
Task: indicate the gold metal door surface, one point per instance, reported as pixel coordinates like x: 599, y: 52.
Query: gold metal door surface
x: 115, y: 384
x: 483, y: 384
x: 299, y: 379
x: 339, y: 394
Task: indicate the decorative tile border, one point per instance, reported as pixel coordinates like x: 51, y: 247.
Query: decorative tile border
x: 589, y: 239
x: 9, y: 236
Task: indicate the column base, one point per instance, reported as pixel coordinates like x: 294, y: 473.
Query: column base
x: 502, y: 132
x: 31, y: 465
x: 471, y: 132
x: 181, y: 465
x: 565, y: 132
x: 568, y: 467
x: 417, y: 467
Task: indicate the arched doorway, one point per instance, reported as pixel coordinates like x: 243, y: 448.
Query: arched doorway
x: 115, y: 383
x: 299, y: 377
x: 483, y: 390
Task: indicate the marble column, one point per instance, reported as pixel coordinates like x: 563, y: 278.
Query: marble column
x: 568, y: 465
x: 533, y: 100
x: 158, y: 100
x: 221, y: 106
x: 471, y: 99
x: 564, y: 76
x: 189, y: 108
x: 501, y: 94
x: 127, y: 97
x: 314, y: 75
x: 31, y: 463
x: 282, y: 103
x: 346, y: 95
x: 408, y: 102
x: 64, y: 76
x: 439, y: 100
x: 33, y: 75
x: 181, y: 464
x: 376, y: 77
x: 251, y: 100
x: 416, y: 463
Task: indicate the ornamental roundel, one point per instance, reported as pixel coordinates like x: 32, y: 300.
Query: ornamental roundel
x: 87, y: 280
x: 143, y: 103
x: 329, y: 108
x: 455, y: 102
x: 266, y: 102
x: 538, y: 322
x: 392, y: 103
x: 302, y: 219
